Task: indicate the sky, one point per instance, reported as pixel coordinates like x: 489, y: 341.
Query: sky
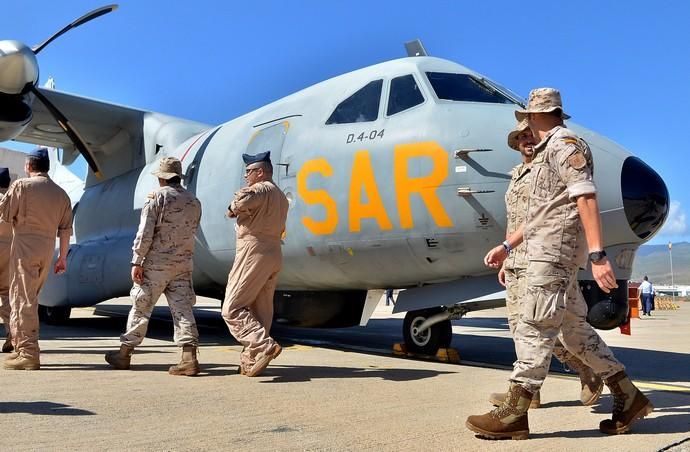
x: 623, y: 67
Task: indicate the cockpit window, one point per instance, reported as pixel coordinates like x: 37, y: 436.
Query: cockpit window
x: 464, y: 87
x: 404, y: 94
x: 362, y: 106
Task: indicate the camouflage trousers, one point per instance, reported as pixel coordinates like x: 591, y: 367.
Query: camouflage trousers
x: 553, y: 308
x: 5, y: 284
x: 179, y: 292
x: 515, y: 292
x: 248, y: 305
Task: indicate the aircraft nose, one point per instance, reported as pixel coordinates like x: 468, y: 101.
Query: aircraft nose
x: 645, y: 198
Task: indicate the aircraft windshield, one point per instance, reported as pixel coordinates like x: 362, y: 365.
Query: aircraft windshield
x: 465, y: 88
x: 362, y: 106
x: 404, y: 94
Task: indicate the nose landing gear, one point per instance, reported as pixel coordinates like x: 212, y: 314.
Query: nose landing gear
x: 429, y: 340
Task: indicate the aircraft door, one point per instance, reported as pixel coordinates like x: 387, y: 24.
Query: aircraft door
x: 270, y: 138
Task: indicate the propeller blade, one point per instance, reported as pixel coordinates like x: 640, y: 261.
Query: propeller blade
x: 81, y: 21
x: 71, y: 132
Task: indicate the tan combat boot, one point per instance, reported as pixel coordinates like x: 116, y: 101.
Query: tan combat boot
x: 629, y: 404
x: 121, y: 358
x: 509, y: 420
x: 497, y: 399
x: 7, y: 346
x: 591, y: 383
x: 263, y: 359
x: 188, y: 364
x: 21, y: 362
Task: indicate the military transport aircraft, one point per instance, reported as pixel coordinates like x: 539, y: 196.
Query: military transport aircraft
x: 395, y: 174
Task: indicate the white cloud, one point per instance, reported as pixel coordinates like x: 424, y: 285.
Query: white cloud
x: 676, y: 223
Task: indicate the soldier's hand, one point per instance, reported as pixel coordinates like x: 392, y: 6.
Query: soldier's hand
x: 60, y: 265
x: 502, y: 277
x: 603, y: 275
x: 137, y: 274
x: 495, y: 257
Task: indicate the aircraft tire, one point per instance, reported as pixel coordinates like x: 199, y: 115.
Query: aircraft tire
x: 427, y: 343
x: 54, y: 315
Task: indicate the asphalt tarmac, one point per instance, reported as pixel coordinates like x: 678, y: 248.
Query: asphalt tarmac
x: 329, y: 390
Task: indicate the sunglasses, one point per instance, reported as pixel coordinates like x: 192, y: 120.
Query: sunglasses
x: 248, y: 171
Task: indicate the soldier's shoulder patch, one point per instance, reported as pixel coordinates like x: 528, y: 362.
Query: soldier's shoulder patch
x: 577, y: 160
x: 570, y: 140
x: 151, y: 195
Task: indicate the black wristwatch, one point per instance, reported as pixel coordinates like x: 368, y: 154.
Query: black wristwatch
x: 597, y: 256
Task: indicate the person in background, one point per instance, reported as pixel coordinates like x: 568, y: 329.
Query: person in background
x: 646, y: 296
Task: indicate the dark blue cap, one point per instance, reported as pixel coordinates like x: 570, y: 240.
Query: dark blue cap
x: 4, y: 177
x: 260, y: 157
x: 39, y: 153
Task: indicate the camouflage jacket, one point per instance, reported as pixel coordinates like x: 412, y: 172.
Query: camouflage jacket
x: 517, y: 198
x: 562, y: 170
x: 169, y: 220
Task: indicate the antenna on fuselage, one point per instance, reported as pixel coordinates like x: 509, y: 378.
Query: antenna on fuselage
x: 415, y: 48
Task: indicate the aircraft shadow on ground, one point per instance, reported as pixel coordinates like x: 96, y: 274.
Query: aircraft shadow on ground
x: 643, y: 364
x: 292, y: 374
x: 651, y: 365
x: 42, y: 408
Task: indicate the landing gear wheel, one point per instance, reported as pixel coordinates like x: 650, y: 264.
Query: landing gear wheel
x: 54, y: 315
x: 429, y: 341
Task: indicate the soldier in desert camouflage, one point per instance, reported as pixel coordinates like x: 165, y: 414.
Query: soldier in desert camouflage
x: 512, y: 274
x: 562, y: 223
x: 162, y: 264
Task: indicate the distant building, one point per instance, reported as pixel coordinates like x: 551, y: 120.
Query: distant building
x: 677, y: 290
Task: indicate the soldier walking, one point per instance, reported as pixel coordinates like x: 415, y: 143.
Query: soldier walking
x: 562, y: 212
x: 5, y: 242
x: 512, y: 274
x: 162, y: 263
x: 261, y: 211
x: 37, y: 208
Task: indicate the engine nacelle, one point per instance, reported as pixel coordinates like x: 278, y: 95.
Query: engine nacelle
x: 18, y: 67
x: 15, y: 114
x: 18, y: 73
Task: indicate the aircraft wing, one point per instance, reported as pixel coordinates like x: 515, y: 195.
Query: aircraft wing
x: 120, y: 138
x: 472, y: 294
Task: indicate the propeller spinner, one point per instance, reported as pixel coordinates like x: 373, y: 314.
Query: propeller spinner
x: 18, y: 87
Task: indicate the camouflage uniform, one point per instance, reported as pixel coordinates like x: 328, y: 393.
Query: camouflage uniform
x: 515, y: 266
x: 516, y: 263
x: 553, y: 306
x: 164, y: 246
x: 36, y: 207
x: 5, y: 242
x: 261, y: 211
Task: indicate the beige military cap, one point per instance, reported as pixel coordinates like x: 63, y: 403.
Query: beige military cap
x: 169, y: 167
x: 542, y: 100
x: 513, y: 135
